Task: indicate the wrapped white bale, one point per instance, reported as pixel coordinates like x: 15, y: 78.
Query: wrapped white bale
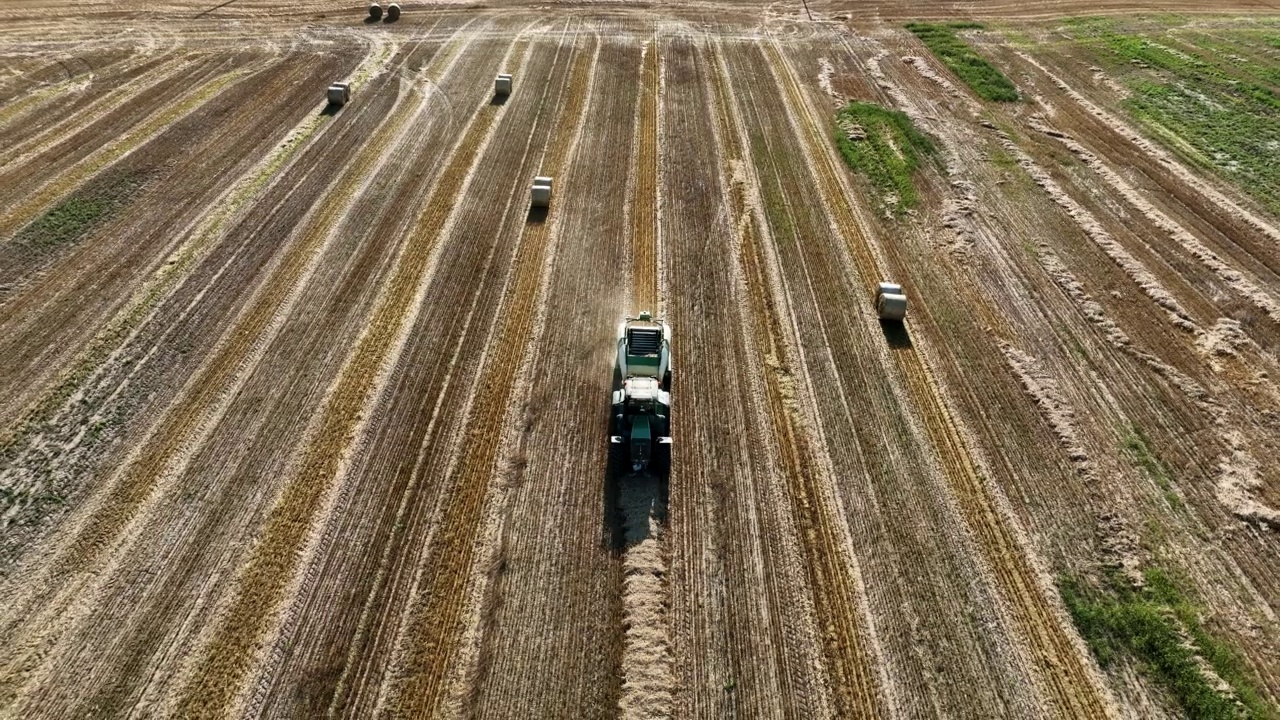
x: 502, y: 84
x: 540, y: 196
x: 888, y: 288
x: 892, y: 306
x: 338, y: 94
x: 393, y: 12
x: 375, y: 11
x: 542, y: 180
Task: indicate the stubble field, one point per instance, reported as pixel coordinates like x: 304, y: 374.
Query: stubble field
x: 303, y: 411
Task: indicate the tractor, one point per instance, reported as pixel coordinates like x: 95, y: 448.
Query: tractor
x: 640, y: 423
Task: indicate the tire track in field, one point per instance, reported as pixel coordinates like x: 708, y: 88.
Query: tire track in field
x: 647, y: 677
x: 51, y: 433
x: 13, y: 114
x: 1067, y: 675
x: 175, y: 85
x: 701, y: 617
x: 90, y: 601
x: 214, y: 679
x: 1115, y: 395
x: 1237, y: 469
x: 407, y: 184
x: 170, y: 445
x: 1211, y: 196
x: 90, y: 101
x: 82, y: 104
x: 1219, y: 237
x: 830, y: 567
x: 233, y: 472
x: 24, y: 210
x: 1000, y: 292
x: 24, y: 89
x: 48, y: 433
x: 734, y: 647
x: 358, y: 584
x: 431, y: 638
x: 644, y: 211
x: 804, y: 671
x: 1210, y: 230
x: 941, y: 603
x: 270, y: 570
x: 97, y: 377
x: 74, y: 290
x: 1088, y: 223
x: 41, y: 276
x: 26, y: 74
x: 545, y: 561
x: 1238, y: 279
x: 354, y: 576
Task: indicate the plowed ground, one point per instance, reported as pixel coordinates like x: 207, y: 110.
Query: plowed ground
x: 309, y: 419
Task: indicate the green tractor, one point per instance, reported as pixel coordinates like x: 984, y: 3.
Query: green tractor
x: 640, y: 426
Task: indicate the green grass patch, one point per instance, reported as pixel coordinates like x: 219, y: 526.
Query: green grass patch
x: 1001, y: 158
x: 1214, y: 111
x: 1073, y: 342
x: 885, y: 146
x: 980, y: 75
x: 1138, y: 447
x: 75, y: 217
x: 1152, y: 625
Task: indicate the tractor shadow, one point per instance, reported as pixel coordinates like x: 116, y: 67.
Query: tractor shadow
x: 895, y: 334
x: 635, y: 506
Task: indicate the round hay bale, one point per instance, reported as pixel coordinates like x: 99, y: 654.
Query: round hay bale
x: 393, y: 12
x: 375, y: 11
x: 540, y: 196
x: 888, y: 288
x: 892, y: 307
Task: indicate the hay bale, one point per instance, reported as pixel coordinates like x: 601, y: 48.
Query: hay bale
x: 375, y: 11
x: 339, y: 94
x: 892, y: 306
x: 540, y: 196
x: 502, y: 85
x: 393, y: 12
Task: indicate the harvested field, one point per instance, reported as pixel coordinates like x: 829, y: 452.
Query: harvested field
x: 304, y: 410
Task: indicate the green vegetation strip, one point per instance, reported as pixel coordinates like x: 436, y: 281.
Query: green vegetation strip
x: 72, y: 219
x: 980, y: 75
x: 884, y: 146
x: 1138, y: 447
x: 1207, y: 108
x: 1159, y: 628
